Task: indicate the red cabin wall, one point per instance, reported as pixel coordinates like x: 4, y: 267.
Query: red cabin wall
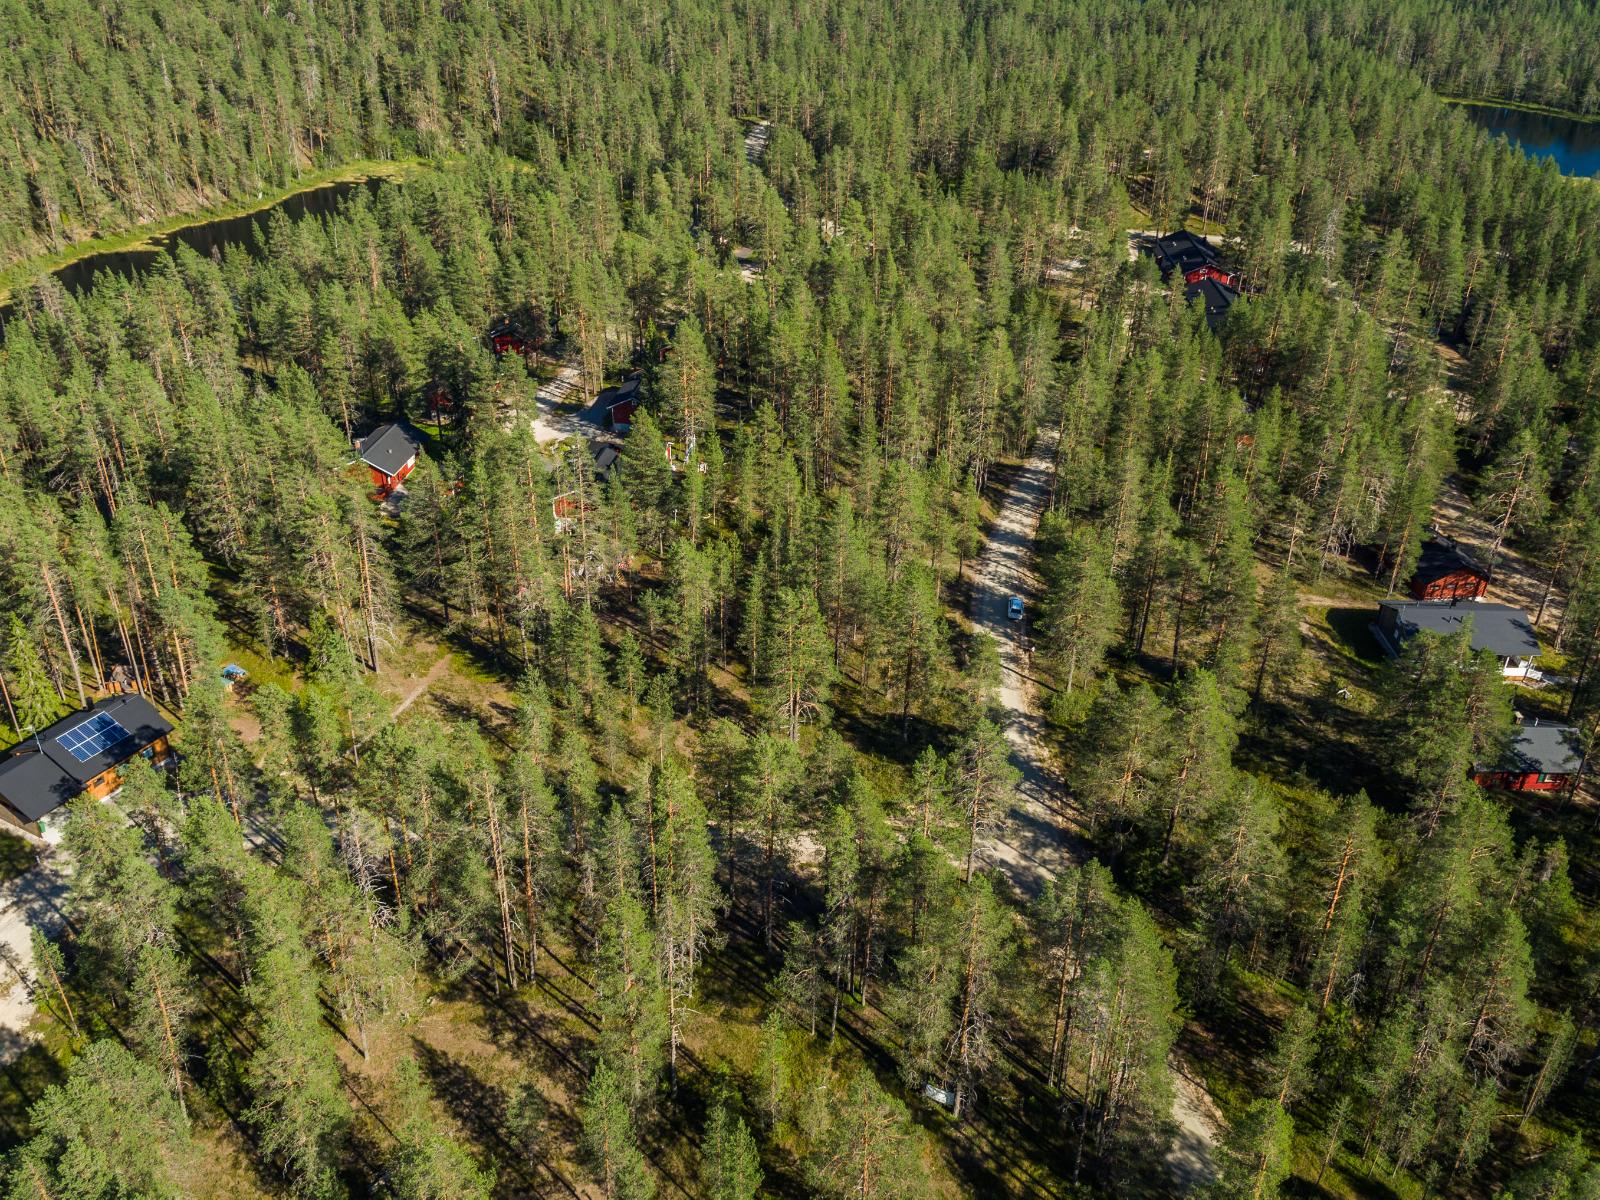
x: 1461, y: 585
x: 387, y: 483
x: 1517, y: 781
x: 1215, y: 274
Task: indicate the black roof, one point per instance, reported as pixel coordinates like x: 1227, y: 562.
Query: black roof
x: 1542, y: 749
x: 39, y: 774
x: 605, y: 457
x: 389, y: 447
x: 1183, y: 250
x: 1498, y: 628
x: 1441, y: 558
x: 1216, y: 298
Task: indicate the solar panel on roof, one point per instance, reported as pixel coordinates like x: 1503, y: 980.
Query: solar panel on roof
x: 99, y: 734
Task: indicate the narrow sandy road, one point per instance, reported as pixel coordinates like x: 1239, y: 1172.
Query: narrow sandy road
x: 556, y: 414
x: 422, y: 685
x: 1036, y: 839
x: 1033, y: 841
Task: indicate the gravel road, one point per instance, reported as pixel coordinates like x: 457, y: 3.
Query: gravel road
x: 1036, y: 840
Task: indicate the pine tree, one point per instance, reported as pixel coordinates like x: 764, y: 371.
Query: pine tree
x: 629, y: 999
x: 796, y: 669
x: 865, y: 1149
x: 298, y: 1108
x: 33, y: 698
x: 985, y: 782
x: 730, y: 1164
x: 1256, y: 1157
x: 84, y: 1142
x: 609, y: 1139
x: 426, y: 1163
x: 690, y: 901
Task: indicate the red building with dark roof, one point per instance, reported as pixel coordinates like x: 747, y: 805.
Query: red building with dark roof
x: 389, y: 452
x: 1447, y: 572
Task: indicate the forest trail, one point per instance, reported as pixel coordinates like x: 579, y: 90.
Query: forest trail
x: 1034, y: 840
x: 755, y: 141
x: 423, y: 685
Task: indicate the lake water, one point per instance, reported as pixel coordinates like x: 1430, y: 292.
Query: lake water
x: 206, y: 238
x: 1575, y: 145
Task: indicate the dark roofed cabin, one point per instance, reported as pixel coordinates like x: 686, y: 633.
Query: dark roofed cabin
x: 390, y: 452
x: 1447, y: 572
x: 1192, y: 257
x: 78, y: 754
x: 1540, y: 758
x: 1500, y: 629
x: 1216, y: 298
x: 1204, y: 277
x: 622, y: 404
x: 506, y: 337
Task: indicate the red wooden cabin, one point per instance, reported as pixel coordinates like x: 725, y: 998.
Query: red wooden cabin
x: 1541, y: 758
x: 1447, y: 572
x: 390, y: 453
x: 621, y: 404
x: 506, y: 337
x: 1228, y: 279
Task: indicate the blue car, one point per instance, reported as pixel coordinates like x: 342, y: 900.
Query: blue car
x: 1014, y: 608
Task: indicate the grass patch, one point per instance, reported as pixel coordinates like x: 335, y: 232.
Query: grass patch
x: 1352, y: 630
x: 262, y: 669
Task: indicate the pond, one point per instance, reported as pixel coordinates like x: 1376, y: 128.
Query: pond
x: 206, y: 237
x: 1575, y: 145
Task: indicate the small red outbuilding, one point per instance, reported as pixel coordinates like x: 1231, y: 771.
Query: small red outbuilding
x: 390, y: 453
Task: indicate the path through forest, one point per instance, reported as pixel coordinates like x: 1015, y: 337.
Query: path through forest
x: 1034, y: 840
x: 555, y: 415
x: 422, y: 685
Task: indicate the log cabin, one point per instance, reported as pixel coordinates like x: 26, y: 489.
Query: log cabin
x: 1447, y: 572
x: 1205, y: 278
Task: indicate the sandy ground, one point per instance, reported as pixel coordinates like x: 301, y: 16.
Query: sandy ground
x: 557, y: 416
x: 1035, y: 839
x: 32, y: 899
x: 756, y: 139
x: 1199, y: 1123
